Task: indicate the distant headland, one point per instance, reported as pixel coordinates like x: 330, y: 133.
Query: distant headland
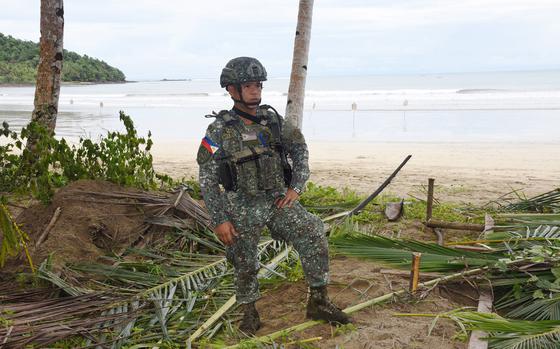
x: 19, y: 60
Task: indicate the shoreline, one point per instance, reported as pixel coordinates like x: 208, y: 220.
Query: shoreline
x: 464, y: 172
x: 67, y: 83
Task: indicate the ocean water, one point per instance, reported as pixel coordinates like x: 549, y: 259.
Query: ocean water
x: 469, y: 107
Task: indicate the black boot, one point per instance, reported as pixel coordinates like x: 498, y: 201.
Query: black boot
x: 319, y: 307
x: 251, y: 321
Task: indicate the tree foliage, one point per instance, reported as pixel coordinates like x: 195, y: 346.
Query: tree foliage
x: 122, y: 158
x: 19, y: 60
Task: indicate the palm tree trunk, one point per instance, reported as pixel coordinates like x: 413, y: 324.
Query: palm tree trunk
x: 47, y: 89
x: 296, y: 91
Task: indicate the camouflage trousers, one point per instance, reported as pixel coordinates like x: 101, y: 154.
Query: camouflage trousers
x: 295, y: 225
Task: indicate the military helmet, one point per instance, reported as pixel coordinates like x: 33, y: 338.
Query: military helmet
x: 242, y: 69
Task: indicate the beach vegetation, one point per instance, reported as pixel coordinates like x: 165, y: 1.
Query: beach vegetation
x: 19, y: 60
x: 119, y: 157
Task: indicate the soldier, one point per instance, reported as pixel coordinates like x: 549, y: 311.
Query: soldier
x: 245, y: 151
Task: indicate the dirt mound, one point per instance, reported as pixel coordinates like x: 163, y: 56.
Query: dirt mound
x: 88, y: 227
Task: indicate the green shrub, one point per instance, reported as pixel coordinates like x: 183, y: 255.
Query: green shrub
x: 122, y: 158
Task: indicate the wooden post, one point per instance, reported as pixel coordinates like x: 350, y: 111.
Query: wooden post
x: 430, y: 201
x: 415, y: 272
x: 429, y: 206
x: 296, y: 91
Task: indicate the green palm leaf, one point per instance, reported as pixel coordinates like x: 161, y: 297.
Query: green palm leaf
x: 505, y: 333
x: 397, y: 253
x: 511, y: 334
x: 538, y: 309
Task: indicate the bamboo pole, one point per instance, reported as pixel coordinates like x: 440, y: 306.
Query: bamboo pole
x: 296, y: 91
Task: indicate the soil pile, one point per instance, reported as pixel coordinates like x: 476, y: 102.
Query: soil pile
x: 88, y: 226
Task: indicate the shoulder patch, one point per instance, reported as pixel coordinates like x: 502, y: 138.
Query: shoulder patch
x: 206, y: 149
x: 203, y: 155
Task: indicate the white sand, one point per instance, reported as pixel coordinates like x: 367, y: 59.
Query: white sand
x: 468, y: 172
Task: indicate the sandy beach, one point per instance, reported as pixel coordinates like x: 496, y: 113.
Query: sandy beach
x: 464, y: 172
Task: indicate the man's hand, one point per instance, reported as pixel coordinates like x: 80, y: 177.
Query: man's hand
x: 287, y: 200
x: 226, y: 233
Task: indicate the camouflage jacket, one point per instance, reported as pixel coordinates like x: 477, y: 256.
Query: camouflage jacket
x: 212, y: 151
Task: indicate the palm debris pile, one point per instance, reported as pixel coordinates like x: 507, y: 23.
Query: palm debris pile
x: 128, y: 263
x: 143, y: 268
x: 518, y: 261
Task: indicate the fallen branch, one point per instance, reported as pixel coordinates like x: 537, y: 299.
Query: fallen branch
x: 51, y: 224
x: 373, y: 195
x: 433, y: 223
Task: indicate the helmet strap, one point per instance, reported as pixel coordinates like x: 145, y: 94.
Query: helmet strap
x: 240, y: 100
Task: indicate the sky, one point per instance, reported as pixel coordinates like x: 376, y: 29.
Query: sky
x: 194, y: 39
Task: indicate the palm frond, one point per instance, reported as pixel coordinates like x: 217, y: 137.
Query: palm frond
x: 13, y: 240
x: 537, y: 309
x: 548, y: 201
x: 398, y: 253
x: 504, y: 333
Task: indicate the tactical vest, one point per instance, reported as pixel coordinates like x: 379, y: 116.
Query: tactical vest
x: 251, y: 158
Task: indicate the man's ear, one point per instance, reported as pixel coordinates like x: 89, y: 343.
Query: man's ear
x: 232, y: 91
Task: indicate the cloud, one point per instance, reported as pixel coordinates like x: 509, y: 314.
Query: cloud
x: 173, y: 38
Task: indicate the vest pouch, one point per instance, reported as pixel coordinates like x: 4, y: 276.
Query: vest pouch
x: 245, y: 163
x: 227, y: 176
x: 271, y: 176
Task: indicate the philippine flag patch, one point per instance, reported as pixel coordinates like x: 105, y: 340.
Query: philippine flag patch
x: 206, y: 150
x: 209, y: 145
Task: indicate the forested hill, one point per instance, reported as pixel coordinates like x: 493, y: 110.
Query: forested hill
x: 19, y: 60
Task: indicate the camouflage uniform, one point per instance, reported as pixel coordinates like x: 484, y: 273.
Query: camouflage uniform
x: 251, y: 206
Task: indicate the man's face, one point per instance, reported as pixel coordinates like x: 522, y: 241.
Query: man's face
x: 251, y: 92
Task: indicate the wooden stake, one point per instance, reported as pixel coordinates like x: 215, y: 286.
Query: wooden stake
x: 415, y: 271
x: 430, y: 201
x: 429, y: 206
